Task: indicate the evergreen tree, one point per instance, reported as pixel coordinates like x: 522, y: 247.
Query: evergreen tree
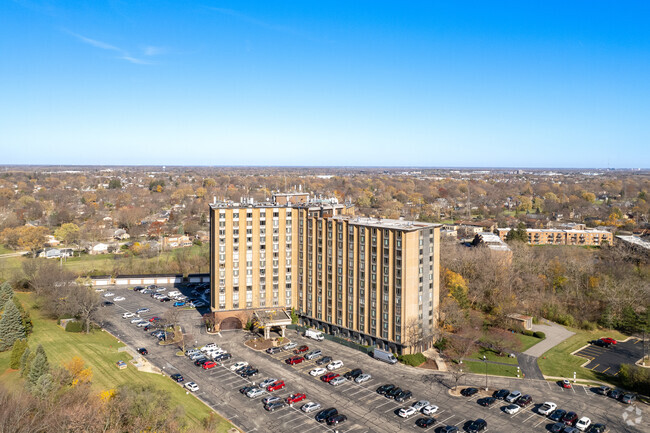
x: 6, y: 293
x: 25, y: 360
x: 518, y: 234
x: 27, y: 320
x: 43, y: 386
x: 11, y: 326
x: 39, y: 366
x: 17, y: 353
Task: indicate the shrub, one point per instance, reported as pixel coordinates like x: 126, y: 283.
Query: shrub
x: 635, y: 378
x: 539, y: 334
x: 588, y: 326
x: 528, y: 333
x: 441, y: 344
x: 73, y: 326
x: 412, y: 360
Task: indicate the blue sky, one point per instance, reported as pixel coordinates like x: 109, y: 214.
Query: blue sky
x: 389, y: 83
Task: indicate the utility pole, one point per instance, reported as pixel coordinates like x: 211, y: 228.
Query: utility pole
x: 486, y: 376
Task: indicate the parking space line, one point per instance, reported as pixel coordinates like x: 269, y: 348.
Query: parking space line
x: 460, y: 422
x: 605, y: 369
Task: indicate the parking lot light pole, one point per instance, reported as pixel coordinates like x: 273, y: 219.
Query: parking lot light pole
x: 486, y: 377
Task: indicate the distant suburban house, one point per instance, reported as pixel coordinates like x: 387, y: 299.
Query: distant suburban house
x: 491, y: 241
x: 50, y: 253
x: 100, y: 248
x: 203, y: 236
x: 52, y: 241
x: 121, y: 234
x: 176, y: 241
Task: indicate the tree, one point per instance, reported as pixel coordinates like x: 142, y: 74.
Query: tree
x: 11, y: 326
x: 39, y: 366
x: 78, y: 371
x: 519, y: 234
x: 17, y: 353
x: 6, y: 293
x: 32, y: 238
x: 68, y: 233
x: 25, y: 360
x: 83, y: 302
x: 114, y: 184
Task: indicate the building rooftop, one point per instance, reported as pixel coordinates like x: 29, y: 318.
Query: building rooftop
x: 386, y: 223
x: 635, y: 240
x: 592, y: 231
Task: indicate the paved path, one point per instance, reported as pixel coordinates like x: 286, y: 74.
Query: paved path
x: 555, y: 334
x: 529, y: 367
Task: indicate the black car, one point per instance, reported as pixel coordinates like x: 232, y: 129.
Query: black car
x: 353, y: 374
x: 501, y: 394
x: 598, y: 428
x: 177, y: 377
x: 487, y: 401
x: 557, y: 415
x: 245, y: 389
x: 223, y: 357
x: 394, y: 392
x: 250, y: 372
x: 385, y: 388
x: 557, y: 427
x: 273, y: 350
x: 138, y: 288
x: 275, y: 405
x: 324, y: 360
x: 615, y: 394
x: 524, y: 400
x: 449, y: 429
x: 143, y: 351
x: 601, y: 343
x: 468, y: 392
x: 336, y: 419
x: 107, y: 303
x: 477, y: 426
x: 403, y: 396
x: 425, y: 422
x: 200, y: 361
x: 165, y: 299
x: 325, y: 414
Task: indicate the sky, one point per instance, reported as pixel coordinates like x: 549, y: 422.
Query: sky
x: 326, y: 83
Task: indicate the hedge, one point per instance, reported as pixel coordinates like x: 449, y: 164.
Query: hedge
x: 73, y: 326
x: 528, y: 333
x: 539, y: 334
x: 412, y: 360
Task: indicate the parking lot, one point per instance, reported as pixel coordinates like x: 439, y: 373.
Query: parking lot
x: 608, y: 360
x: 366, y: 410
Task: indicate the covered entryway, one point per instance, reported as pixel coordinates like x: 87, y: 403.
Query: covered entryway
x: 230, y: 323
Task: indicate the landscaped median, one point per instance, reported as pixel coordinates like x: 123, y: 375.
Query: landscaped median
x: 98, y: 350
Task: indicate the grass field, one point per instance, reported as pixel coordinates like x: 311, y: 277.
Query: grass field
x: 99, y: 351
x: 491, y: 356
x: 559, y: 362
x: 527, y: 342
x: 478, y: 367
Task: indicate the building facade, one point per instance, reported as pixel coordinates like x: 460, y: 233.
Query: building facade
x: 563, y: 237
x: 368, y: 280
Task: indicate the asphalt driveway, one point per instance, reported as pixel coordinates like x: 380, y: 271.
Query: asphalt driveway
x: 608, y: 360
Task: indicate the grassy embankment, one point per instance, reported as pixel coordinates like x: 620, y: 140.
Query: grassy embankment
x: 99, y: 351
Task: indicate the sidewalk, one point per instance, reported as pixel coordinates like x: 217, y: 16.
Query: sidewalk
x: 433, y: 353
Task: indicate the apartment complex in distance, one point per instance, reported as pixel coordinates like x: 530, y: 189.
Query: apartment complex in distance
x: 374, y: 281
x: 564, y: 237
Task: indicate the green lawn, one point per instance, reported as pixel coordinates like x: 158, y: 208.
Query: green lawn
x: 99, y: 350
x: 491, y: 356
x: 559, y: 362
x: 478, y: 367
x: 527, y: 342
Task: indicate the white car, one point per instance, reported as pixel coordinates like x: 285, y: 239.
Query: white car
x: 255, y: 392
x: 334, y: 365
x: 143, y: 323
x: 192, y: 386
x: 430, y: 409
x: 338, y: 380
x: 267, y: 382
x: 583, y: 423
x: 108, y: 294
x: 318, y: 371
x: 547, y: 408
x: 363, y: 378
x: 210, y: 346
x: 99, y: 289
x: 310, y: 407
x: 238, y: 365
x: 512, y: 409
x: 289, y: 346
x: 406, y: 412
x: 137, y: 320
x: 119, y: 298
x: 127, y: 315
x: 418, y: 405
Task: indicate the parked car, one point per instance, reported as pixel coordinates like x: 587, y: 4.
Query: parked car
x: 513, y: 396
x: 295, y: 398
x: 486, y: 401
x: 336, y: 419
x: 557, y: 427
x: 192, y: 386
x: 143, y: 323
x: 583, y: 423
x: 318, y: 371
x: 271, y: 399
x: 143, y: 351
x: 238, y: 365
x: 501, y: 394
x: 255, y: 392
x: 512, y: 409
x: 383, y: 389
x: 326, y: 413
x: 141, y: 310
x: 275, y: 406
x: 179, y: 303
x: 609, y: 340
x: 338, y: 381
x: 128, y: 315
x: 393, y: 392
x: 557, y: 415
x: 310, y: 407
x: 249, y: 372
x: 406, y: 412
x: 108, y: 294
x: 565, y: 384
x: 524, y: 400
x: 275, y: 386
x: 200, y: 361
x: 418, y: 405
x: 324, y: 360
x: 628, y: 398
x: 294, y: 360
x: 603, y: 390
x: 425, y: 422
x: 601, y: 343
x: 449, y: 429
x: 403, y: 396
x: 301, y: 349
x: 267, y: 382
x: 208, y: 365
x: 273, y: 350
x: 477, y: 426
x: 468, y: 392
x: 363, y: 378
x: 353, y: 374
x: 165, y: 299
x: 328, y: 377
x: 335, y: 365
x: 598, y: 428
x: 615, y: 393
x: 430, y: 409
x: 223, y: 357
x: 547, y: 408
x: 289, y: 346
x: 119, y: 298
x: 570, y: 418
x: 177, y: 377
x: 313, y: 354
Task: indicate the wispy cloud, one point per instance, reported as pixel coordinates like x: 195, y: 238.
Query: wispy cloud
x: 150, y: 50
x: 121, y: 53
x: 255, y: 21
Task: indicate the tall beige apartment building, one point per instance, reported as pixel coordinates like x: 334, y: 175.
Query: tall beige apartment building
x: 374, y: 281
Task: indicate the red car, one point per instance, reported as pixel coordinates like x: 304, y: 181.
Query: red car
x: 329, y: 376
x: 608, y: 340
x: 295, y: 398
x: 294, y: 360
x: 301, y: 349
x: 209, y: 364
x: 275, y: 386
x: 565, y: 384
x: 154, y: 319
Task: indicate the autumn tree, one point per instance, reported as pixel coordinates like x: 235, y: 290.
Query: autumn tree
x: 68, y: 233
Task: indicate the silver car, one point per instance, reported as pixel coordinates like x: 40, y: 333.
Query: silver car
x: 310, y: 407
x: 363, y: 378
x: 289, y: 346
x: 255, y: 392
x: 338, y: 380
x: 418, y: 405
x: 513, y: 396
